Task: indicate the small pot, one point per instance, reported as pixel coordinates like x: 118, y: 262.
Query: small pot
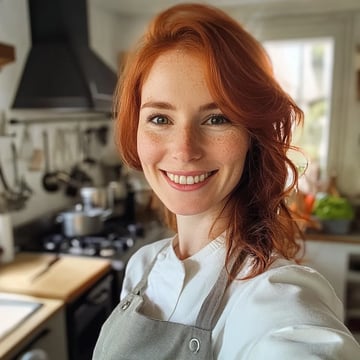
x: 94, y: 197
x: 81, y: 223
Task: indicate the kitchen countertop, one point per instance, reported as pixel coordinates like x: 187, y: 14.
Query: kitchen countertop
x: 17, y: 338
x: 65, y: 280
x: 351, y: 238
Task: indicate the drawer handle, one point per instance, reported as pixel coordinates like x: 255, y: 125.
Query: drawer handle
x: 35, y: 354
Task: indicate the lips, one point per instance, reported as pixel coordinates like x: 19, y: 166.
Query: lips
x: 188, y: 179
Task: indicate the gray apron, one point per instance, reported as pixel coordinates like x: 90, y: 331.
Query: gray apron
x: 130, y: 335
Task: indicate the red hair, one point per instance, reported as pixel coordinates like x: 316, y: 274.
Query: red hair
x: 241, y: 82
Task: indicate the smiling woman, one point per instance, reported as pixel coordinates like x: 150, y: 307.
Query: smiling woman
x: 211, y: 134
x: 183, y: 137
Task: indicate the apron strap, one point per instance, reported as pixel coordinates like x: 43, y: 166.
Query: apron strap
x: 140, y: 287
x: 207, y: 315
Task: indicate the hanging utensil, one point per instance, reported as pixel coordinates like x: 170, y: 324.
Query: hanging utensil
x: 14, y: 156
x: 11, y: 199
x: 77, y: 173
x: 102, y: 134
x: 49, y: 179
x: 87, y: 147
x: 27, y: 146
x: 4, y: 181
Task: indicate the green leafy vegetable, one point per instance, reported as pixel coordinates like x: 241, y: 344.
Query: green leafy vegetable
x: 333, y: 207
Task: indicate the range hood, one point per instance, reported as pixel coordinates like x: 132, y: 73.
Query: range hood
x: 61, y: 71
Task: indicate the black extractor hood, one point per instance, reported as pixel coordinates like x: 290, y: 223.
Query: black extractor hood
x: 61, y: 71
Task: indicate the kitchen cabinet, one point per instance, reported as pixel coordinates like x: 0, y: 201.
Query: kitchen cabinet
x: 43, y: 330
x: 82, y: 284
x: 337, y: 258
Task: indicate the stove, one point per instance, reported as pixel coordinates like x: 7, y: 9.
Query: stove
x: 107, y: 246
x: 113, y: 242
x: 120, y: 238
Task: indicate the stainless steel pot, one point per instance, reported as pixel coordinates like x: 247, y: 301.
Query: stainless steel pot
x: 94, y: 197
x: 83, y: 222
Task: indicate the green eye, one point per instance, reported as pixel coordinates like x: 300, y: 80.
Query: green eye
x: 159, y: 120
x: 217, y: 120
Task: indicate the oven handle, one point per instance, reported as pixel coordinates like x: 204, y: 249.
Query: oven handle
x: 34, y: 354
x: 99, y: 298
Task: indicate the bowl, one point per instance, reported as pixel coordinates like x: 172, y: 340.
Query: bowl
x: 336, y: 226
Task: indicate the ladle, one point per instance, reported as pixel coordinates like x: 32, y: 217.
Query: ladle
x: 49, y: 179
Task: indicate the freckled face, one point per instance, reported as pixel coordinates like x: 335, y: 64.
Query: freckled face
x: 191, y: 154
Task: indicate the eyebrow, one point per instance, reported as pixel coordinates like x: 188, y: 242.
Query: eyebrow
x: 167, y: 106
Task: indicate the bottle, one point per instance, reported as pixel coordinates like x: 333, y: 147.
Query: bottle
x: 6, y: 238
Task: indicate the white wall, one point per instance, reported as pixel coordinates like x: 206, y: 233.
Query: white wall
x: 15, y: 30
x: 111, y: 32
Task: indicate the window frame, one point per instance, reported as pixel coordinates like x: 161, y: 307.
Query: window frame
x: 338, y: 26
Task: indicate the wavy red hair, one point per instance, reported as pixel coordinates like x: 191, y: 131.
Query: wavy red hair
x: 241, y: 81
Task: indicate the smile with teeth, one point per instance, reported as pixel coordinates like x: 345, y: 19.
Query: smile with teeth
x: 188, y: 180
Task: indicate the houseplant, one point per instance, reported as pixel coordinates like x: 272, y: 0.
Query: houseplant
x: 335, y: 213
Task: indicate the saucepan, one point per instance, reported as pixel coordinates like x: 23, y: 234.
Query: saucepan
x: 94, y: 197
x: 80, y: 222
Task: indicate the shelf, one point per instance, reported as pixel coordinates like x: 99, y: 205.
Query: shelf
x: 7, y: 54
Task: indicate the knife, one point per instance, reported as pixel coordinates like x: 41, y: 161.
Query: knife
x: 46, y: 268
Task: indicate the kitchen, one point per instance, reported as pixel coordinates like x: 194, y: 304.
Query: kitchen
x: 114, y: 34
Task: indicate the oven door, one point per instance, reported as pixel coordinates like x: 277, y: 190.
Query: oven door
x: 86, y: 316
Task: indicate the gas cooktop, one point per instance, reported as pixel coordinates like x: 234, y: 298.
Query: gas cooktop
x: 113, y: 242
x: 116, y: 239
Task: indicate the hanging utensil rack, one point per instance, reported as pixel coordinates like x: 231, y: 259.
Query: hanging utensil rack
x: 102, y: 117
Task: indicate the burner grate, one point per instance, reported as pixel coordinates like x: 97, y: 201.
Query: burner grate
x: 114, y: 241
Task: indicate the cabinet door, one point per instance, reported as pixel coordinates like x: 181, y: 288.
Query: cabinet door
x: 331, y: 260
x: 49, y: 342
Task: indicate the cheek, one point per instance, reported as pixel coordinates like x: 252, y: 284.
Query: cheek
x: 232, y: 148
x: 148, y: 146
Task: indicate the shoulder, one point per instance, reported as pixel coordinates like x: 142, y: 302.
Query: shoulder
x: 139, y: 262
x: 297, y: 280
x: 289, y: 283
x: 290, y: 309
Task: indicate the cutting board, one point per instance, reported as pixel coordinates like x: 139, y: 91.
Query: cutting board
x: 66, y: 279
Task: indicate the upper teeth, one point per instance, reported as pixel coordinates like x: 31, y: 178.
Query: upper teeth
x: 187, y: 180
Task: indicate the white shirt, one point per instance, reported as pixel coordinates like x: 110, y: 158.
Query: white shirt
x: 289, y: 312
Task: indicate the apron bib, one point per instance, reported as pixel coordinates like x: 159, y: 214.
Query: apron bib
x: 130, y: 335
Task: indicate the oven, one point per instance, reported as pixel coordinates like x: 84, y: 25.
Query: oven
x: 85, y: 316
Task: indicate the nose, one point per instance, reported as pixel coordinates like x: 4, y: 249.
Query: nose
x: 187, y: 144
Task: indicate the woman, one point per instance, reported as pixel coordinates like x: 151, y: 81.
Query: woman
x: 200, y: 113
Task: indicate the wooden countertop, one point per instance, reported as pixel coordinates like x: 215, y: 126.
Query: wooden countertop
x: 351, y: 238
x: 17, y: 338
x: 64, y: 280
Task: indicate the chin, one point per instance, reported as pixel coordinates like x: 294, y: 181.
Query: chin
x: 186, y: 210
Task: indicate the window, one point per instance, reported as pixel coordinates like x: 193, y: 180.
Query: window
x: 304, y: 68
x: 310, y: 43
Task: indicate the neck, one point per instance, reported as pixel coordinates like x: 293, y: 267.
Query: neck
x: 194, y: 233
